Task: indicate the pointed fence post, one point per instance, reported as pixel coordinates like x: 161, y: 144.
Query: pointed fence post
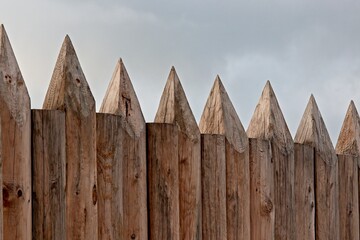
x: 163, y: 181
x: 49, y: 179
x: 15, y: 144
x: 128, y: 148
x: 312, y: 131
x: 70, y: 91
x: 275, y: 208
x: 219, y: 117
x: 347, y: 148
x: 174, y: 108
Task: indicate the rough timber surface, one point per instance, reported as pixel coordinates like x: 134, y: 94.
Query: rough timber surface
x: 163, y: 181
x: 268, y: 123
x: 48, y: 179
x: 312, y: 131
x: 69, y: 91
x: 15, y: 144
x: 121, y: 99
x: 174, y: 108
x: 219, y: 117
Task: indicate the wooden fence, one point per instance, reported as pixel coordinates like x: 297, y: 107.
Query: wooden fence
x: 71, y: 173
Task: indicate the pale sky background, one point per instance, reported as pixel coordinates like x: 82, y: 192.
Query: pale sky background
x: 301, y: 46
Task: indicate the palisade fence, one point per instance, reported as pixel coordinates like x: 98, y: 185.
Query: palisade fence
x: 71, y: 173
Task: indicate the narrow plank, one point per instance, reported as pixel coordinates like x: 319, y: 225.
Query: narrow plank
x: 304, y: 192
x: 49, y: 179
x: 348, y: 152
x: 163, y: 181
x: 69, y: 91
x: 219, y: 117
x: 312, y: 131
x: 268, y: 123
x: 213, y: 180
x: 121, y: 99
x: 174, y: 108
x: 16, y: 145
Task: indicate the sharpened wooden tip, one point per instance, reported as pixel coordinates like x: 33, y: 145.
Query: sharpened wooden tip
x: 349, y: 138
x: 220, y: 117
x: 268, y: 121
x: 13, y: 89
x: 121, y: 99
x: 174, y: 107
x: 68, y: 87
x: 312, y: 131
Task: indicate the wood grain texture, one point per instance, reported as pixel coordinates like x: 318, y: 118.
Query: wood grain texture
x: 121, y: 99
x: 16, y: 145
x: 49, y: 177
x: 69, y: 91
x: 163, y: 181
x: 174, y: 108
x: 262, y: 192
x: 312, y: 131
x: 213, y: 180
x: 348, y: 152
x: 219, y: 117
x: 304, y: 192
x: 268, y: 123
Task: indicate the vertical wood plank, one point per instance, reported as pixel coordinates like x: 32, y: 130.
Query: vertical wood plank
x: 69, y: 91
x: 219, y: 117
x: 163, y: 180
x: 268, y: 123
x: 304, y: 192
x: 312, y: 131
x: 174, y: 108
x: 16, y: 145
x: 213, y: 171
x: 48, y: 172
x: 348, y: 152
x: 121, y: 99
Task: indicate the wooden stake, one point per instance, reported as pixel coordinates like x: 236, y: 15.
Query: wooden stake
x: 219, y: 117
x: 312, y: 131
x: 69, y: 91
x: 174, y: 108
x: 348, y: 152
x: 268, y: 123
x: 121, y: 99
x: 304, y: 192
x: 163, y: 178
x: 16, y: 145
x: 49, y: 179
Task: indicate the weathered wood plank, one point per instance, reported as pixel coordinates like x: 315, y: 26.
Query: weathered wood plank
x: 262, y: 193
x: 163, y: 181
x: 121, y: 99
x: 304, y: 192
x: 348, y: 152
x: 213, y: 171
x: 312, y: 131
x: 48, y: 178
x: 174, y: 108
x: 69, y: 91
x: 219, y: 117
x: 16, y: 145
x: 268, y: 123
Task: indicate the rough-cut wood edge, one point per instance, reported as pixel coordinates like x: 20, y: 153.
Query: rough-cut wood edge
x: 312, y: 131
x: 268, y: 121
x: 121, y: 99
x: 349, y: 137
x: 174, y: 108
x: 15, y: 144
x: 49, y: 179
x: 220, y: 117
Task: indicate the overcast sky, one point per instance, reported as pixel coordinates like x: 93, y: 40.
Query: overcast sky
x: 301, y: 46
